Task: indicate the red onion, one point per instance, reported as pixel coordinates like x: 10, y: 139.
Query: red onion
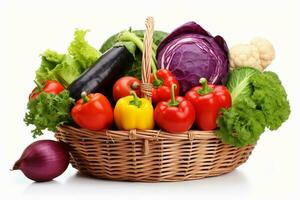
x: 43, y: 160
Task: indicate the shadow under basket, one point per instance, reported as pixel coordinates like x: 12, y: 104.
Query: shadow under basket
x: 150, y: 156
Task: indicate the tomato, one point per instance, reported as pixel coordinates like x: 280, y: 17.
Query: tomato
x: 50, y: 87
x: 125, y: 85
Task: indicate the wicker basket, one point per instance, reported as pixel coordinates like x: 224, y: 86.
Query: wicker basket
x: 152, y: 155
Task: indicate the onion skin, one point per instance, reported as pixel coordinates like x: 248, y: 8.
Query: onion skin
x: 43, y: 160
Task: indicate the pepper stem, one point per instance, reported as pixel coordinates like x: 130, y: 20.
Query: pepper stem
x: 205, y: 89
x: 173, y: 101
x: 84, y: 97
x: 156, y: 82
x: 136, y: 101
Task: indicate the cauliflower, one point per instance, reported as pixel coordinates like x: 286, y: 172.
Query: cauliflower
x: 244, y: 55
x: 266, y: 51
x: 258, y: 54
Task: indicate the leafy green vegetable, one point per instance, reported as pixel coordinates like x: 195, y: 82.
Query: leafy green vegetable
x: 135, y: 69
x: 66, y: 71
x: 130, y: 46
x: 81, y: 51
x: 158, y: 36
x: 128, y: 36
x: 259, y: 102
x: 48, y: 111
x: 50, y: 59
x: 65, y: 68
x: 271, y: 98
x: 136, y: 38
x: 242, y: 124
x: 238, y: 83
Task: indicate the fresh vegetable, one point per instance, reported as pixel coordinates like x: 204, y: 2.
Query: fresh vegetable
x: 43, y: 160
x: 132, y: 38
x: 162, y: 82
x: 115, y: 40
x: 259, y: 101
x: 176, y: 115
x: 132, y: 112
x: 239, y: 83
x: 65, y: 68
x: 208, y: 100
x: 242, y: 55
x: 125, y: 85
x: 271, y: 98
x: 82, y: 52
x: 93, y: 112
x: 51, y: 87
x: 47, y: 111
x: 258, y: 54
x: 190, y: 53
x: 241, y: 125
x: 101, y: 76
x: 265, y: 49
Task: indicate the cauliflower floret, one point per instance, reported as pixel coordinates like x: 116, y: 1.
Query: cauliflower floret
x: 244, y: 55
x: 266, y: 51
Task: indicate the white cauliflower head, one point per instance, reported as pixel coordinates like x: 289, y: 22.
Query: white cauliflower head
x: 244, y: 55
x: 266, y: 51
x: 258, y: 54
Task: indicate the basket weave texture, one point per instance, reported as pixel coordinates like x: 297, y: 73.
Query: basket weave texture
x: 150, y: 155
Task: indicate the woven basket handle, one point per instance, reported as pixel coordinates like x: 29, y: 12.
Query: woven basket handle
x: 146, y: 86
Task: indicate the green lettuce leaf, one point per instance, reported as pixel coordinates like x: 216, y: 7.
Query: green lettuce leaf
x: 270, y: 97
x: 48, y: 111
x: 50, y: 59
x: 67, y: 71
x: 65, y: 68
x: 81, y: 51
x: 241, y: 125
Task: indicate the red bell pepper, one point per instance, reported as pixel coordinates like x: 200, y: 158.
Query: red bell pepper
x: 93, y: 112
x: 51, y: 87
x: 208, y: 100
x: 162, y: 81
x: 176, y: 115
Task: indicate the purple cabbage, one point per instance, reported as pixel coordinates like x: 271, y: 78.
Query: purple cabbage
x: 190, y: 52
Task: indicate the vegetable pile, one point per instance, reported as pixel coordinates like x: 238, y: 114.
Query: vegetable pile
x: 197, y: 84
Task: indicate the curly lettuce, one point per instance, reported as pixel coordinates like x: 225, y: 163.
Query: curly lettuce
x: 82, y: 52
x: 259, y: 102
x: 270, y: 97
x: 48, y: 111
x: 65, y: 68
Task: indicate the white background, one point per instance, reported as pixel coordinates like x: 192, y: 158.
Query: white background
x: 29, y: 27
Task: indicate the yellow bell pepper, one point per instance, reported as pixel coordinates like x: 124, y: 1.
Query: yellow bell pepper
x: 132, y: 112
